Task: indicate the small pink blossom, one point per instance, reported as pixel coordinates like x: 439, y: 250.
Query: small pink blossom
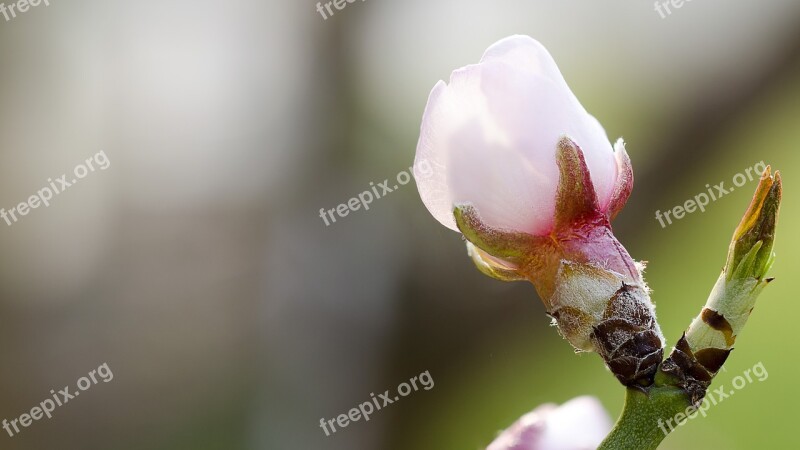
x: 579, y: 424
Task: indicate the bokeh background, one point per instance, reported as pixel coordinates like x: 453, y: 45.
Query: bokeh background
x: 198, y: 268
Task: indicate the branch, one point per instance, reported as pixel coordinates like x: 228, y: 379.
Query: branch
x: 686, y: 374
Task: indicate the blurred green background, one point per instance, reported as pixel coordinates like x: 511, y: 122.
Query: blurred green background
x: 232, y: 317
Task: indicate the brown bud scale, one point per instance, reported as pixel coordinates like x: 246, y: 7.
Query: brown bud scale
x: 694, y: 370
x: 628, y: 338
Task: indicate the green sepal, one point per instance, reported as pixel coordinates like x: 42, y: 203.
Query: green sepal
x: 513, y: 245
x: 576, y: 199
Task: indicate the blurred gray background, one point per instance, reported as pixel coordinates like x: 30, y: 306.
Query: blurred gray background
x: 198, y: 268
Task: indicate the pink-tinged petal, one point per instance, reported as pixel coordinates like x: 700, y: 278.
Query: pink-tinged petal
x: 431, y: 153
x: 504, y: 189
x: 537, y: 119
x: 579, y: 424
x: 535, y: 111
x: 494, y: 131
x: 527, y: 54
x: 525, y: 432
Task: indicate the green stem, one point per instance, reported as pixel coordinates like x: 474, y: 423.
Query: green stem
x: 648, y: 418
x: 645, y: 417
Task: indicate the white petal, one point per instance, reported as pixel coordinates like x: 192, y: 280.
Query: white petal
x: 579, y: 424
x: 506, y: 189
x: 493, y: 133
x: 528, y: 95
x: 429, y: 163
x: 526, y: 54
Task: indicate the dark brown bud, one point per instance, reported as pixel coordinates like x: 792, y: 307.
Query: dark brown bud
x: 628, y: 338
x: 694, y: 370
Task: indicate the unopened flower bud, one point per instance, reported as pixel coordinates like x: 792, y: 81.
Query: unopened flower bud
x: 532, y: 182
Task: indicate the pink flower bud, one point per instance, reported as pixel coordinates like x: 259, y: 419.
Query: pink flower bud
x: 495, y: 129
x: 532, y: 182
x: 579, y: 424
